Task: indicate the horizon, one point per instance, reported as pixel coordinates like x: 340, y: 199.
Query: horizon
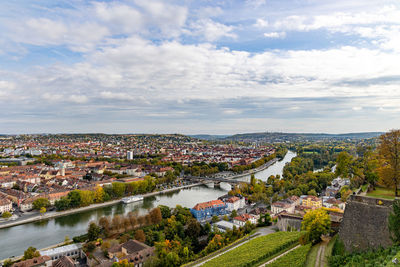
x: 243, y: 133
x: 198, y: 66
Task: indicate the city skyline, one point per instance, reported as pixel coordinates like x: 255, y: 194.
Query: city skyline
x: 199, y: 67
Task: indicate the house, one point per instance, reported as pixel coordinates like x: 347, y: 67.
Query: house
x: 287, y: 205
x: 312, y: 202
x: 38, y: 261
x: 64, y: 261
x: 134, y: 251
x: 334, y: 203
x: 235, y: 203
x: 5, y: 205
x: 73, y: 251
x: 242, y: 219
x: 208, y: 209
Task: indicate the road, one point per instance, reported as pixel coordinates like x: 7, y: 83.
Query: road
x: 321, y: 259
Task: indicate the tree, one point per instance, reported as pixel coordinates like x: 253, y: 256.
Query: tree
x: 67, y: 240
x: 62, y: 204
x: 193, y: 228
x: 343, y: 167
x: 394, y: 222
x: 389, y: 153
x: 93, y: 231
x: 316, y: 223
x: 31, y: 253
x: 233, y: 214
x: 118, y: 189
x: 99, y: 194
x: 7, y: 263
x: 74, y: 198
x: 155, y: 215
x: 87, y: 197
x: 214, y: 219
x: 140, y: 236
x: 6, y: 215
x: 41, y: 203
x: 42, y: 210
x: 165, y: 211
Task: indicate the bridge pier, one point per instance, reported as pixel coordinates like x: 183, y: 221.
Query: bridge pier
x: 217, y: 184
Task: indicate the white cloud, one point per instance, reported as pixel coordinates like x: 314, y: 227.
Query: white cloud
x: 261, y: 23
x: 78, y: 99
x: 275, y: 34
x: 212, y: 30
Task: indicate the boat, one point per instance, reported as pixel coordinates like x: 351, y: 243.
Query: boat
x: 131, y: 199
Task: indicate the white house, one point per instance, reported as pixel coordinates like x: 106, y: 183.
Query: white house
x: 5, y: 205
x: 242, y: 219
x: 235, y: 203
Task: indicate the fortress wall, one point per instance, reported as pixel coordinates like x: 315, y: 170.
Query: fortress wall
x: 365, y: 223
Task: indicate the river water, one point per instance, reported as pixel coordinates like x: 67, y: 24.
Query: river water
x: 14, y: 240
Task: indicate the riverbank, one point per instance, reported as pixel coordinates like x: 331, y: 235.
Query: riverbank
x: 55, y: 214
x: 253, y: 171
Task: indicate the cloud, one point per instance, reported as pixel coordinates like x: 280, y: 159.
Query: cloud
x: 78, y: 99
x: 212, y: 30
x: 261, y: 23
x: 275, y: 34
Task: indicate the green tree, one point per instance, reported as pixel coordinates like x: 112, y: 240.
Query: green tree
x: 214, y: 219
x: 74, y: 198
x: 7, y: 263
x: 41, y: 203
x: 62, y: 204
x: 344, y: 163
x: 118, y: 189
x: 316, y: 223
x: 6, y: 215
x: 93, y: 231
x: 394, y: 222
x: 389, y: 153
x: 87, y: 197
x: 31, y: 253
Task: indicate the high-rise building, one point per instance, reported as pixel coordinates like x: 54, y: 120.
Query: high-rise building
x: 129, y: 155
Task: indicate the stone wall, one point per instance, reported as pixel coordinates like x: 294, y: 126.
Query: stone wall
x: 365, y: 223
x: 286, y: 222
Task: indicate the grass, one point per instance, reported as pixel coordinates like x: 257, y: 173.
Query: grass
x: 256, y: 250
x: 364, y: 187
x: 312, y: 256
x: 295, y: 258
x: 381, y: 192
x: 329, y: 248
x: 391, y: 264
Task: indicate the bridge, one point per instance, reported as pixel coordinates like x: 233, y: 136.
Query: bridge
x: 216, y: 180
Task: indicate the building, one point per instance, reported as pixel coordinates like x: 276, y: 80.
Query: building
x: 312, y: 202
x: 64, y: 261
x: 242, y: 219
x: 5, y: 205
x: 134, y: 251
x: 223, y: 226
x: 73, y: 251
x: 235, y: 203
x: 287, y: 205
x: 205, y: 210
x: 129, y: 155
x: 38, y: 261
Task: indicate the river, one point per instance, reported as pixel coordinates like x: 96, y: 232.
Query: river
x: 14, y: 240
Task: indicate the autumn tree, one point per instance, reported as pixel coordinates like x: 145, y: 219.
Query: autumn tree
x: 389, y: 154
x: 316, y: 223
x: 140, y: 236
x: 155, y: 215
x: 99, y: 194
x: 104, y: 223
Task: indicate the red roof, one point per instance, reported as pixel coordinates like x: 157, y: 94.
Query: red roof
x: 204, y: 205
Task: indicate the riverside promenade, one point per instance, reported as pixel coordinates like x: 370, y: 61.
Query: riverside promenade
x: 53, y: 214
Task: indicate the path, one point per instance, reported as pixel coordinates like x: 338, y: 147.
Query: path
x: 277, y: 257
x: 321, y: 259
x: 261, y: 231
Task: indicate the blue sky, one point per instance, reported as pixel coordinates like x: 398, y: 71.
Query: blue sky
x: 218, y: 67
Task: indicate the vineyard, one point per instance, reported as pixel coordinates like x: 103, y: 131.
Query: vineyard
x: 295, y: 258
x: 256, y: 251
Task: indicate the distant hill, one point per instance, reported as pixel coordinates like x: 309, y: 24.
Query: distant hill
x: 282, y: 137
x: 208, y: 136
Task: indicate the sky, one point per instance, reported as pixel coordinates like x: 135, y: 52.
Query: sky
x: 199, y: 66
